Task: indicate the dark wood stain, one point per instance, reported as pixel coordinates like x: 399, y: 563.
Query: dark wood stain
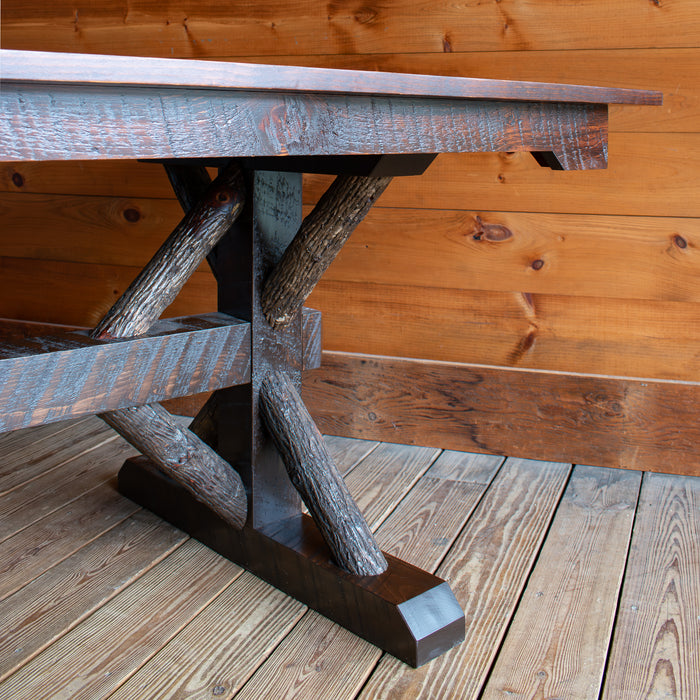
x: 588, y: 419
x: 524, y: 344
x: 52, y: 377
x: 292, y: 555
x: 22, y: 66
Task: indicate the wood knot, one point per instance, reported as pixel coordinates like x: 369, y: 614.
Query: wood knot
x: 608, y: 406
x: 680, y: 241
x: 537, y: 264
x: 17, y: 179
x: 225, y: 197
x: 496, y: 233
x: 523, y: 345
x: 132, y: 215
x: 447, y: 44
x: 366, y: 15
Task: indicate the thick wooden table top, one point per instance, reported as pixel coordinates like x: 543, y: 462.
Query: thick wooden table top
x: 73, y: 106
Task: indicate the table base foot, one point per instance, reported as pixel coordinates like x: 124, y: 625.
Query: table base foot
x: 406, y: 611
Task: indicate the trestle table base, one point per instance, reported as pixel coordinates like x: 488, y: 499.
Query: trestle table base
x: 406, y: 611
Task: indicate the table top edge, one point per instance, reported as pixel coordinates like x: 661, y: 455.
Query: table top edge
x: 43, y: 67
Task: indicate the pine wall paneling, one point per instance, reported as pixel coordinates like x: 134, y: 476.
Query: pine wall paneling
x: 486, y: 258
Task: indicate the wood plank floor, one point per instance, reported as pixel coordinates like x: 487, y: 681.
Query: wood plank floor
x: 577, y: 582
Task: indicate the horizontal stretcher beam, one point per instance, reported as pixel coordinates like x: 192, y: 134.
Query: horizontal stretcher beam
x: 66, y: 375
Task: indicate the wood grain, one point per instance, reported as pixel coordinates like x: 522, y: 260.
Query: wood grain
x: 278, y: 27
x: 386, y: 475
x: 653, y: 175
x: 317, y: 656
x: 27, y: 455
x: 73, y: 228
x: 347, y: 453
x: 162, y: 278
x: 501, y: 540
x: 319, y: 660
x: 34, y: 500
x: 631, y: 185
x: 182, y: 456
x: 82, y: 293
x: 55, y: 602
x: 48, y: 541
x: 594, y: 335
x: 579, y: 255
x: 321, y: 236
x: 674, y: 71
x: 656, y: 648
x: 576, y: 255
x: 666, y: 183
x: 240, y: 652
x: 202, y: 407
x: 424, y: 526
x: 609, y: 421
x: 221, y: 647
x: 164, y: 123
x: 128, y: 179
x: 50, y: 378
x: 158, y: 605
x: 317, y: 479
x: 41, y: 68
x: 557, y: 643
x: 176, y: 451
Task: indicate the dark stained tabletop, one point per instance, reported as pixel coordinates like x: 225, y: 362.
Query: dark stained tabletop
x: 39, y: 66
x: 59, y: 106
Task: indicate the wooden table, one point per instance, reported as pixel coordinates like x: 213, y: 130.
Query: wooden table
x: 236, y: 477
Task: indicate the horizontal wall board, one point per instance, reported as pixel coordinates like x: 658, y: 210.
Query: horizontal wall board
x: 50, y: 378
x: 586, y: 334
x: 80, y: 294
x: 107, y: 230
x: 281, y: 27
x: 581, y: 255
x: 648, y: 174
x: 118, y: 178
x: 608, y: 421
x: 571, y: 334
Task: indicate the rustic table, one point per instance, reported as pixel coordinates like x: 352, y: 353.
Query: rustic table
x: 235, y: 479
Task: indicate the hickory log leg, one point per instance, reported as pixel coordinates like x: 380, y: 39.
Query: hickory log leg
x: 317, y: 479
x: 178, y: 452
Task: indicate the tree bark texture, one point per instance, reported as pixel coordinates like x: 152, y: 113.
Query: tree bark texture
x: 317, y: 479
x: 165, y: 274
x: 176, y: 450
x: 181, y: 455
x: 321, y: 236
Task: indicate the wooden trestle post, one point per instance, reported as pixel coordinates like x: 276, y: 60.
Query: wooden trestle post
x: 294, y: 433
x: 178, y: 452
